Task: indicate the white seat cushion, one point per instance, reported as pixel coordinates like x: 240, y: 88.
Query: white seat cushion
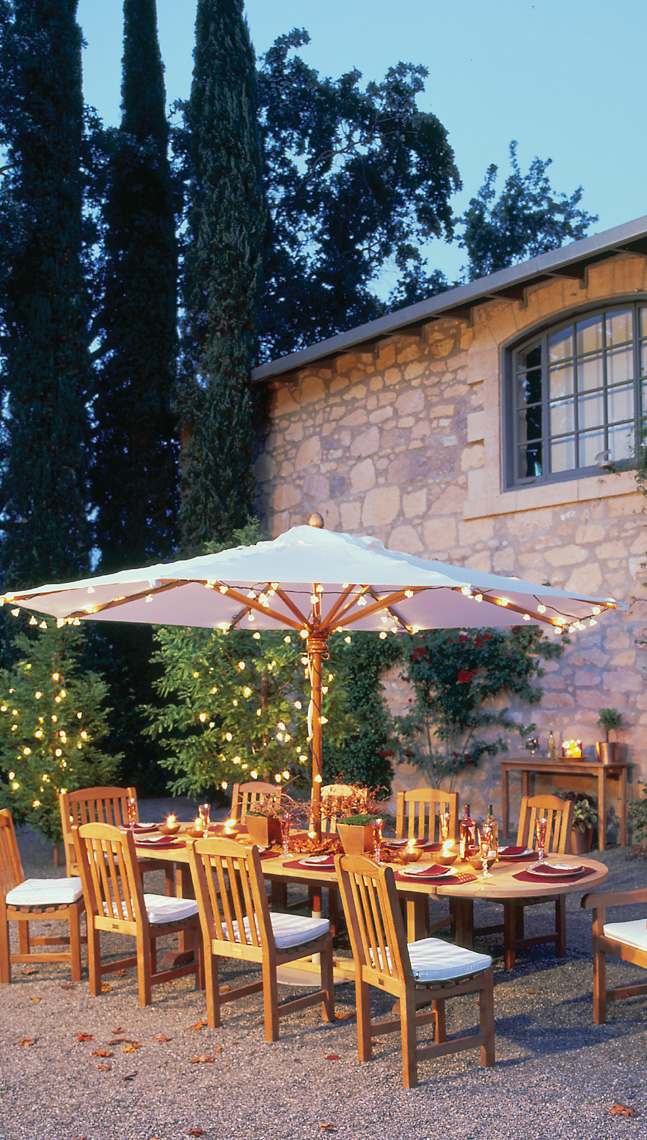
x: 291, y: 929
x: 433, y: 960
x: 633, y: 933
x: 162, y: 908
x: 45, y: 892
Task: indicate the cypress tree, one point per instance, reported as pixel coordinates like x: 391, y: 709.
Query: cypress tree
x: 226, y: 222
x: 135, y: 477
x: 47, y: 532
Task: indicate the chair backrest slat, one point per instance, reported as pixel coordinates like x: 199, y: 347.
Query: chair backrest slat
x: 245, y: 796
x: 418, y: 811
x: 110, y: 872
x: 230, y: 893
x: 375, y: 923
x: 11, y: 872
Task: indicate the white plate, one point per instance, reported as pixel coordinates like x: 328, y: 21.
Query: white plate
x: 427, y: 873
x: 518, y: 855
x: 313, y: 860
x: 556, y: 869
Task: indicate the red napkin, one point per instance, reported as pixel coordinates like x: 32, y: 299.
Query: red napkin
x: 158, y: 841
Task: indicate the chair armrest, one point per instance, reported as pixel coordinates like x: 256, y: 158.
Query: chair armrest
x: 595, y: 900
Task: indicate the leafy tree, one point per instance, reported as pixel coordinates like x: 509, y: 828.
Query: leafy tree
x: 52, y: 724
x: 527, y: 219
x: 134, y: 476
x: 222, y: 263
x: 47, y: 533
x: 356, y: 181
x: 457, y: 676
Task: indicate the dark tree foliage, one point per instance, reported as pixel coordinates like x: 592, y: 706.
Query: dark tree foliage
x: 47, y: 533
x: 356, y: 181
x: 528, y: 218
x: 222, y: 264
x: 134, y: 476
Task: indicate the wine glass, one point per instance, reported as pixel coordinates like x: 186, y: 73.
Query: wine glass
x: 285, y: 832
x: 204, y: 811
x: 485, y: 838
x: 443, y: 823
x: 131, y: 810
x: 540, y: 828
x: 378, y: 825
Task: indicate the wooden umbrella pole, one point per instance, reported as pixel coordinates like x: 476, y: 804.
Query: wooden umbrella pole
x: 316, y: 645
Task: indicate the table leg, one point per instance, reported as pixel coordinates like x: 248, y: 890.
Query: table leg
x: 463, y: 911
x: 623, y: 807
x: 602, y: 809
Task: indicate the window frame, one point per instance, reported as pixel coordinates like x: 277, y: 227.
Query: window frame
x: 539, y: 335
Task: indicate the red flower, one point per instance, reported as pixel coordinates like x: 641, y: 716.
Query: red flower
x: 465, y: 676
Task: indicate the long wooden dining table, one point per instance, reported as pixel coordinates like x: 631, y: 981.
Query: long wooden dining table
x: 461, y: 884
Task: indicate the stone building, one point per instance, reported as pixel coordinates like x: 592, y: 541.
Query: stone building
x: 492, y: 426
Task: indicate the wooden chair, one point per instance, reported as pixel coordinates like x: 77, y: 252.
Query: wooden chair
x: 416, y: 974
x: 627, y: 940
x: 559, y: 816
x: 417, y: 814
x: 115, y: 902
x: 244, y: 796
x: 35, y: 900
x: 102, y: 805
x: 417, y: 817
x: 237, y: 923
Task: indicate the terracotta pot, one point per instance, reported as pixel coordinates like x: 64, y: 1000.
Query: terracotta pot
x: 608, y: 751
x: 356, y: 839
x: 581, y: 841
x: 263, y: 829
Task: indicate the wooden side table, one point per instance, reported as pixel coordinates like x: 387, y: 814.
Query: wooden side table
x: 528, y: 766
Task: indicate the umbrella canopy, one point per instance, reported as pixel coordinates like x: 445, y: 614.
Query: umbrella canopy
x: 315, y: 582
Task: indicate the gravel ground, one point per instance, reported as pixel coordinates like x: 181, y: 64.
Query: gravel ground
x: 557, y: 1074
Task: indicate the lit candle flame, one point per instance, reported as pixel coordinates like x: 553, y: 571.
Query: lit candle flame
x: 170, y: 821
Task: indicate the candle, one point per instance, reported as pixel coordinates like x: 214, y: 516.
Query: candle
x: 170, y: 821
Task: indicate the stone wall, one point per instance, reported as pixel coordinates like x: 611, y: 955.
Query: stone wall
x: 402, y: 440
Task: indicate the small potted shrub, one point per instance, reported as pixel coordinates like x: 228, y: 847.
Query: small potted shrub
x: 263, y: 821
x: 608, y: 751
x: 357, y: 834
x: 585, y: 815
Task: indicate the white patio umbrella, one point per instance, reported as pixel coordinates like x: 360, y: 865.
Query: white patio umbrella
x: 315, y: 582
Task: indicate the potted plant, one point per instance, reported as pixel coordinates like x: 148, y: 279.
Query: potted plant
x: 608, y: 751
x: 585, y: 815
x: 357, y: 834
x: 263, y: 821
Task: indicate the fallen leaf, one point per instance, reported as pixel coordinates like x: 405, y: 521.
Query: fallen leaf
x: 326, y: 1127
x: 345, y: 1015
x: 106, y: 988
x: 68, y: 986
x: 27, y: 1041
x: 533, y: 991
x: 196, y: 1132
x: 35, y: 999
x: 129, y: 1077
x: 29, y: 970
x: 124, y: 1041
x: 198, y: 1025
x: 225, y: 989
x: 332, y: 1057
x: 201, y: 1060
x: 84, y: 1037
x: 132, y: 1048
x: 162, y: 1038
x: 117, y: 1030
x: 622, y: 1110
x: 104, y: 1068
x: 102, y: 1053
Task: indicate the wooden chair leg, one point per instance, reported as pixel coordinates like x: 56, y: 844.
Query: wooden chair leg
x: 23, y: 937
x: 327, y: 984
x: 408, y: 1039
x: 270, y: 1002
x: 5, y: 961
x: 599, y: 985
x: 486, y: 1019
x: 75, y: 944
x: 212, y: 990
x: 440, y: 1021
x: 94, y: 959
x: 363, y: 1003
x: 143, y: 969
x: 509, y: 935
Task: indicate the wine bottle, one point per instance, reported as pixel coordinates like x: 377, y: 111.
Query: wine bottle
x: 551, y: 745
x: 467, y: 834
x: 494, y: 827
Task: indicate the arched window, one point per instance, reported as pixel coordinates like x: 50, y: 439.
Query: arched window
x: 576, y: 396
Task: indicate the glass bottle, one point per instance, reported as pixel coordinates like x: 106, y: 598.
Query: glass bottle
x: 467, y: 833
x: 494, y: 832
x: 551, y: 745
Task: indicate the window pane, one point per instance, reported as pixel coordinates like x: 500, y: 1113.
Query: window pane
x: 590, y: 373
x: 529, y: 461
x: 529, y: 424
x: 619, y: 327
x: 590, y: 411
x: 643, y: 359
x: 562, y: 417
x: 621, y: 442
x: 561, y: 382
x: 621, y: 404
x: 529, y: 387
x: 591, y: 448
x: 562, y: 455
x: 560, y: 346
x: 620, y: 366
x: 531, y: 358
x: 643, y: 321
x: 589, y: 335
